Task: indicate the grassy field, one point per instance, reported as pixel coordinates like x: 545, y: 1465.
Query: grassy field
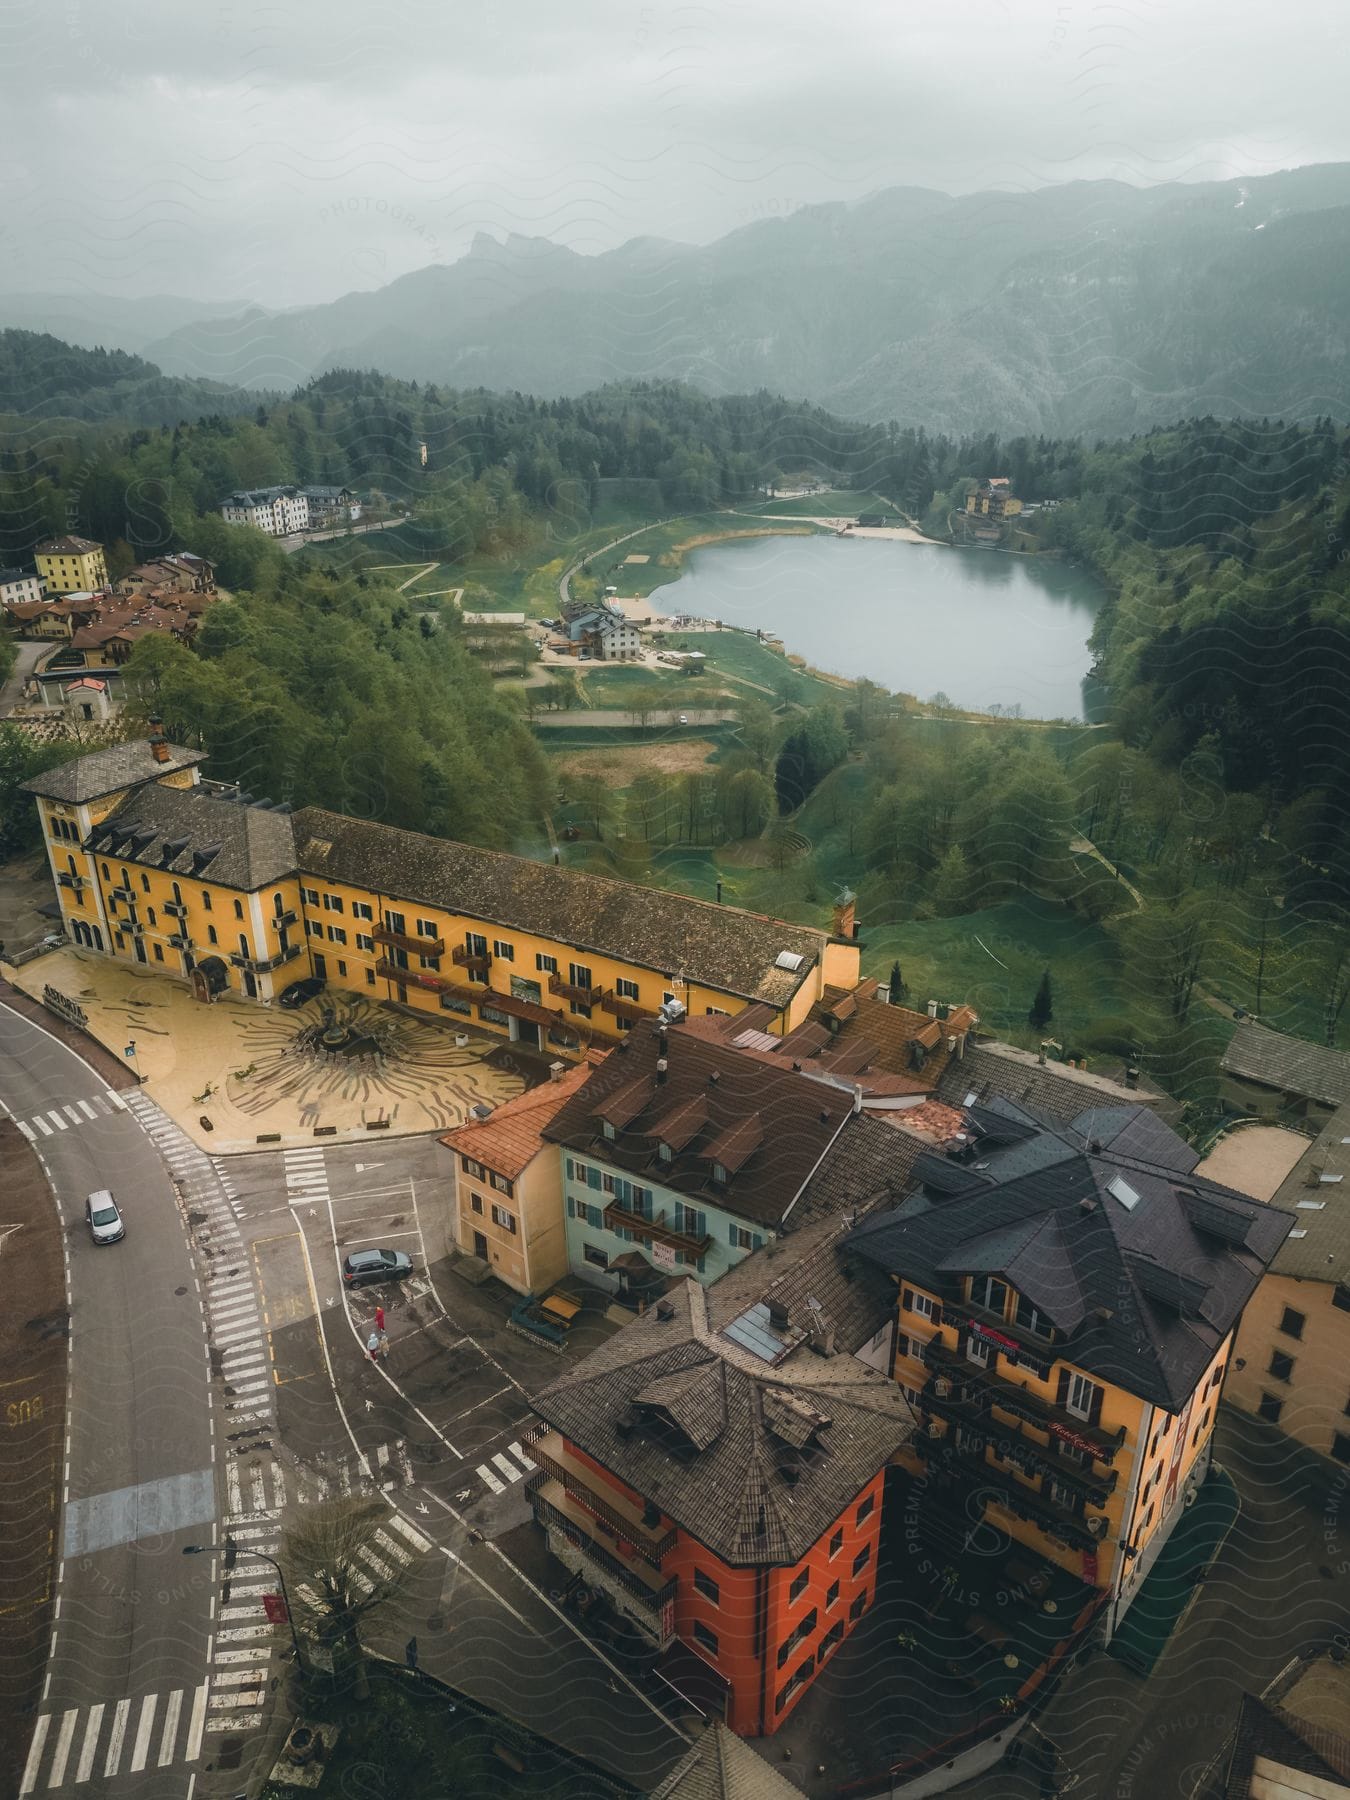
x: 738, y: 657
x: 835, y: 503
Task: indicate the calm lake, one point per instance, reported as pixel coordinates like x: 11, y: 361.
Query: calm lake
x: 985, y: 628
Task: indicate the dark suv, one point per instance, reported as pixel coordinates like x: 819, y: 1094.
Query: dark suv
x: 375, y: 1265
x: 301, y: 991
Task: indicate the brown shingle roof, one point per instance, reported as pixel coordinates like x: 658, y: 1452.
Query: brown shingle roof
x: 720, y: 1767
x: 1001, y: 1071
x: 730, y: 1492
x: 66, y: 546
x: 105, y: 771
x: 1288, y: 1064
x: 511, y: 1138
x: 161, y: 827
x: 718, y: 947
x: 800, y: 1118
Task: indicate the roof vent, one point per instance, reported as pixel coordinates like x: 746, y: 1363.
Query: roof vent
x: 664, y: 1310
x: 791, y: 1472
x: 789, y: 959
x: 1085, y: 1205
x: 778, y: 1315
x: 714, y: 1078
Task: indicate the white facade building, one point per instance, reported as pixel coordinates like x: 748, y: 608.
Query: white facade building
x: 278, y: 511
x: 18, y: 586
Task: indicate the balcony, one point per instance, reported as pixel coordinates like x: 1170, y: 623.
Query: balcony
x: 465, y: 958
x: 617, y: 1215
x: 282, y: 919
x: 125, y: 894
x: 403, y: 940
x: 986, y: 1484
x: 180, y: 942
x: 573, y: 990
x: 177, y: 907
x: 263, y: 965
x: 987, y: 1390
x: 637, y: 1583
x: 622, y: 1007
x: 624, y: 1516
x: 427, y: 978
x: 1014, y: 1441
x: 75, y: 882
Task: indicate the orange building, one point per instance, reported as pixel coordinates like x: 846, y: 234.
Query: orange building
x: 1067, y: 1298
x: 722, y: 1489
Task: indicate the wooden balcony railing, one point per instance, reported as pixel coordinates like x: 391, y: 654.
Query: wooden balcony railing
x: 1010, y: 1396
x: 471, y: 959
x: 622, y: 1007
x: 986, y: 1483
x: 573, y: 990
x: 409, y: 941
x: 554, y: 1505
x: 656, y: 1229
x: 651, y: 1542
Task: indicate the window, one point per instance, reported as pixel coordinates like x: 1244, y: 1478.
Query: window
x: 427, y: 928
x: 1340, y: 1447
x: 690, y: 1221
x: 395, y: 921
x: 798, y: 1635
x: 1281, y: 1366
x: 159, y: 952
x: 476, y: 1203
x: 238, y: 909
x: 920, y: 1304
x: 1063, y: 1496
x: 862, y: 1559
x: 314, y: 928
x: 206, y: 904
x: 664, y: 1152
x: 1270, y: 1408
x: 600, y: 1258
x: 705, y: 1638
x: 858, y: 1606
x: 836, y: 1543
x: 705, y: 1585
x: 1341, y: 1298
x: 211, y: 934
x: 150, y: 914
x: 370, y: 977
x: 575, y: 1006
x: 626, y: 989
x: 579, y: 975
x: 506, y: 1220
x: 310, y: 896
x: 1078, y: 1395
x: 361, y: 910
x: 243, y: 946
x: 504, y: 951
x: 470, y: 1167
x: 332, y: 903
x: 1030, y: 1319
x: 342, y: 967
x: 502, y: 1185
x: 798, y: 1587
x: 546, y: 965
x: 1291, y: 1325
x: 145, y: 886
x: 831, y: 1595
x: 833, y: 1636
x: 977, y: 1351
x: 336, y: 934
x: 741, y: 1239
x: 989, y: 1294
x: 364, y: 942
x: 608, y: 1129
x: 865, y: 1511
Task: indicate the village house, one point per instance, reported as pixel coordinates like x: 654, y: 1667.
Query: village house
x: 71, y: 565
x: 720, y: 1482
x: 181, y: 572
x: 1066, y: 1300
x: 994, y: 500
x: 605, y: 633
x: 685, y: 1154
x: 553, y: 958
x: 331, y: 505
x: 508, y: 1206
x: 1292, y: 1365
x: 19, y: 587
x: 1277, y: 1076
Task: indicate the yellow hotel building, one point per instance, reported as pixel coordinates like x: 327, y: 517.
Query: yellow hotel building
x: 156, y: 866
x: 71, y: 565
x: 1067, y: 1300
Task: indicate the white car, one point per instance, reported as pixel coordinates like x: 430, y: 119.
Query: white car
x: 106, y: 1225
x: 684, y: 718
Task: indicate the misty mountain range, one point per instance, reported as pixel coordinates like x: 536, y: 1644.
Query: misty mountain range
x: 1091, y: 308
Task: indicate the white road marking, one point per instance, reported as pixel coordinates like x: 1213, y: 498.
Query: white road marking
x: 235, y: 1656
x: 92, y: 1726
x: 44, y: 1127
x: 236, y: 1722
x: 144, y: 1726
x: 169, y: 1737
x: 485, y: 1474
x: 413, y: 1535
x: 121, y: 1713
x: 72, y: 1114
x: 245, y: 1634
x: 194, y: 1738
x: 57, y: 1120
x: 117, y: 1100
x: 518, y: 1452
x: 391, y: 1546
x: 89, y: 1113
x: 35, y: 1749
x: 234, y: 1499
x: 62, y: 1752
x: 245, y: 1697
x: 254, y: 1677
x: 507, y: 1467
x: 27, y: 1131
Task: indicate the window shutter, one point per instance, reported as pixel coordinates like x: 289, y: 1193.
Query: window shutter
x: 731, y: 1234
x: 571, y: 1207
x: 756, y: 1241
x: 1095, y: 1414
x: 1062, y: 1389
x: 907, y: 1300
x: 569, y: 1168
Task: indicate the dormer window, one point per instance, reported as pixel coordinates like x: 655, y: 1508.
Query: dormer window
x: 719, y: 1174
x: 664, y: 1153
x: 1032, y: 1319
x: 989, y: 1294
x: 607, y: 1127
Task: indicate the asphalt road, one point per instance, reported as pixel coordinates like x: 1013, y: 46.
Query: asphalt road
x: 124, y: 1705
x: 440, y: 1426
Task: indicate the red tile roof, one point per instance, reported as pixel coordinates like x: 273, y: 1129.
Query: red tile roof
x: 510, y: 1139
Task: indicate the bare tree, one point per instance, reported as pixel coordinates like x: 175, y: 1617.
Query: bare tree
x: 332, y: 1585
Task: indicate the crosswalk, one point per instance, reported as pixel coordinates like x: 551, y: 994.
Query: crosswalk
x: 498, y: 1472
x: 76, y: 1744
x: 72, y: 1115
x: 306, y: 1175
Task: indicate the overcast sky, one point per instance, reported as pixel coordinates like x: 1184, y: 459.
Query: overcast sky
x: 290, y: 151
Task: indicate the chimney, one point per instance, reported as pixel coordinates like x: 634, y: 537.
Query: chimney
x: 556, y: 1071
x: 665, y: 1311
x: 932, y: 1009
x: 159, y: 748
x: 1132, y: 1077
x: 778, y: 1315
x: 844, y: 908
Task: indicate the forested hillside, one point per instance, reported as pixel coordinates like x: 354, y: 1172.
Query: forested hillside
x: 43, y: 378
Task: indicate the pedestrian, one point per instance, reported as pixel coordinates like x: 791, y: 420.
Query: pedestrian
x: 373, y: 1345
x: 379, y: 1318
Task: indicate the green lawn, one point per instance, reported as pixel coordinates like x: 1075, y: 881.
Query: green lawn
x: 767, y: 675
x: 834, y: 503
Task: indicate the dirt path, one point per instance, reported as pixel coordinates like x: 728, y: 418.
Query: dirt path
x: 1085, y: 847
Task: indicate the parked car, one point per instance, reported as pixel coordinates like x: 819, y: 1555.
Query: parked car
x: 301, y: 991
x: 106, y: 1225
x: 363, y: 1266
x: 684, y: 718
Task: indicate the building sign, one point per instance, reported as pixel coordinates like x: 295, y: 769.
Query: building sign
x: 1072, y: 1438
x: 526, y: 990
x: 663, y: 1256
x: 667, y: 1622
x: 64, y: 1006
x: 994, y: 1337
x: 1018, y: 1353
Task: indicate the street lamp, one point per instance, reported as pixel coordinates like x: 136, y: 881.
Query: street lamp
x: 231, y: 1552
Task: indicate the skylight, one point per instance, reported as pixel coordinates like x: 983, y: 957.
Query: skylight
x: 1127, y: 1196
x: 789, y: 959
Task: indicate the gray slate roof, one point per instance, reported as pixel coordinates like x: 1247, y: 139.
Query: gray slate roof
x: 1146, y: 1290
x: 1288, y: 1064
x: 163, y: 828
x: 105, y: 771
x: 716, y: 946
x: 1321, y: 1249
x: 730, y: 1495
x: 721, y: 1767
x: 1001, y: 1071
